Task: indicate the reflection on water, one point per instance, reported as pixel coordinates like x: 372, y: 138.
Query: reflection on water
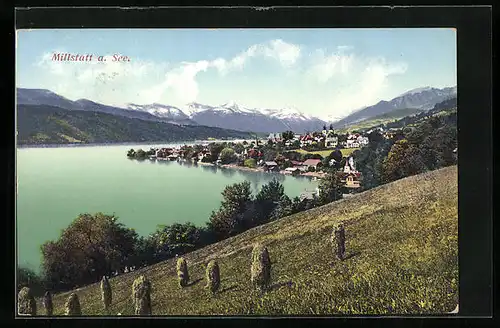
x: 210, y: 168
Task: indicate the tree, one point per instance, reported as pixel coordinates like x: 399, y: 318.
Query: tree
x: 227, y: 156
x: 131, y: 153
x: 177, y: 238
x: 91, y: 247
x: 239, y: 148
x: 269, y: 196
x: 140, y: 154
x: 287, y: 135
x: 283, y: 209
x: 227, y: 220
x: 330, y: 188
x: 403, y: 160
x: 215, y: 150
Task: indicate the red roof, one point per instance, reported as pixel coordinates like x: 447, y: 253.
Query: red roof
x: 296, y: 162
x: 312, y: 162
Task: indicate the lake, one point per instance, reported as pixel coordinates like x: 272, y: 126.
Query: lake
x: 55, y: 185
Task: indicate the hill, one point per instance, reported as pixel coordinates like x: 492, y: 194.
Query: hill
x: 421, y: 98
x: 401, y: 242
x: 42, y: 124
x: 381, y: 119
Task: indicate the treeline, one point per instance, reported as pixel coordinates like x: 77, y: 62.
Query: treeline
x: 426, y: 146
x: 97, y: 245
x: 42, y: 124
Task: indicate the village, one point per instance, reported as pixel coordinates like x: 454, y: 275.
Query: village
x: 312, y: 154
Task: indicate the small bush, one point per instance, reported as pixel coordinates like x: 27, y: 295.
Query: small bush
x: 213, y: 276
x: 47, y: 303
x: 141, y: 294
x: 106, y: 293
x: 26, y: 304
x: 73, y: 305
x: 261, y: 268
x: 251, y: 163
x: 182, y: 272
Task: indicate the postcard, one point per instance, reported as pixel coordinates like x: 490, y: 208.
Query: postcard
x: 236, y: 172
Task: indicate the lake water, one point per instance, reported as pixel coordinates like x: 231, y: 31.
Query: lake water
x: 57, y: 184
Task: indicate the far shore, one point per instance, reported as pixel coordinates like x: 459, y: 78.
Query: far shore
x: 145, y: 143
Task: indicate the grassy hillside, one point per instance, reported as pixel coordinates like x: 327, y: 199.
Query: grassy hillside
x: 401, y: 242
x: 41, y: 124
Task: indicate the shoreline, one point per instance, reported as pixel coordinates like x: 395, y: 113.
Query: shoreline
x: 249, y: 169
x: 145, y: 143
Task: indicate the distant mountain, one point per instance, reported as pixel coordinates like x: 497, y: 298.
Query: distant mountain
x: 234, y: 116
x: 422, y: 98
x: 230, y: 115
x: 43, y: 124
x: 165, y: 112
x: 42, y: 97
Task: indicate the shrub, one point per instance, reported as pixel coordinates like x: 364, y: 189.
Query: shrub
x: 261, y: 268
x: 182, y: 272
x: 251, y: 163
x: 213, y: 276
x: 47, y: 303
x: 338, y: 240
x: 106, y: 293
x: 73, y: 305
x: 141, y: 293
x: 26, y: 304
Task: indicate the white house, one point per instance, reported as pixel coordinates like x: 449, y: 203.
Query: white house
x: 349, y: 166
x: 362, y: 141
x: 352, y: 143
x: 331, y: 141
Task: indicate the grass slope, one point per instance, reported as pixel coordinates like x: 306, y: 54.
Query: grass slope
x: 401, y: 239
x: 41, y: 124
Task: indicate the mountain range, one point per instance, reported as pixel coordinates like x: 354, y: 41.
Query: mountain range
x: 234, y: 116
x: 421, y: 98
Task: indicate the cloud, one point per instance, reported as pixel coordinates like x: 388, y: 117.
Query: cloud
x: 366, y: 83
x: 106, y: 81
x: 326, y: 67
x: 182, y: 80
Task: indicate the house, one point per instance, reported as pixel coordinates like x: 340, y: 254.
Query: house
x: 296, y: 163
x: 352, y: 143
x: 292, y: 171
x: 351, y: 180
x: 271, y: 166
x: 349, y: 166
x: 362, y: 141
x: 331, y: 140
x: 315, y: 163
x: 306, y: 140
x: 274, y: 137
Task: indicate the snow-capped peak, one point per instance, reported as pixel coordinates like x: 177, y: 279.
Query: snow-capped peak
x: 417, y: 90
x: 193, y: 108
x: 286, y: 113
x: 159, y: 110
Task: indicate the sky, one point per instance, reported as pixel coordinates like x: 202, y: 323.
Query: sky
x: 327, y: 73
